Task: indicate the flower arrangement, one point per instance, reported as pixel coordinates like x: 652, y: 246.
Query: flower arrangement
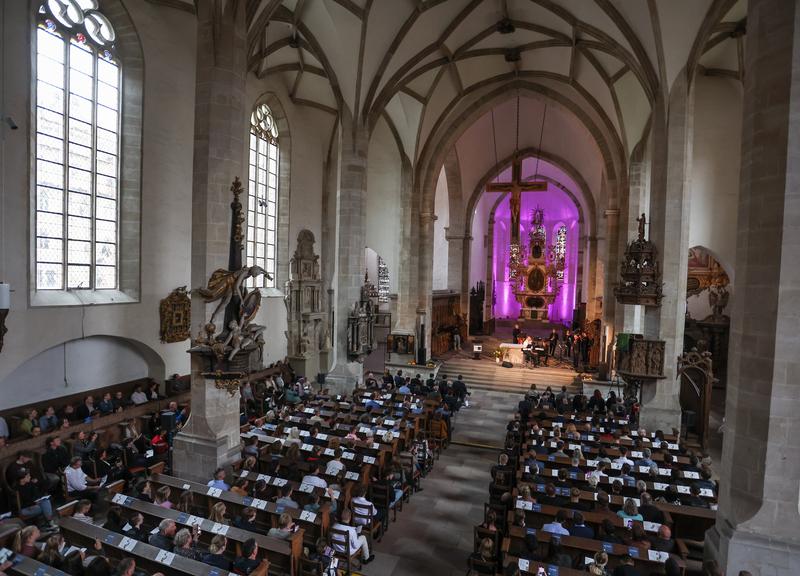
x: 499, y: 354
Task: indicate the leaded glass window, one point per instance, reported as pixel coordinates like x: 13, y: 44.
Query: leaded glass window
x: 561, y: 251
x: 262, y: 201
x: 77, y: 97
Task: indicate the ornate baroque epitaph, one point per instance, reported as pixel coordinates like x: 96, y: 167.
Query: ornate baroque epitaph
x: 175, y: 311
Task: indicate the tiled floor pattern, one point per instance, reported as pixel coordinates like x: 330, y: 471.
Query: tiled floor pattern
x: 433, y: 533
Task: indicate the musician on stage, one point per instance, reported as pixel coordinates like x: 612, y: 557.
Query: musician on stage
x: 527, y: 350
x: 515, y: 334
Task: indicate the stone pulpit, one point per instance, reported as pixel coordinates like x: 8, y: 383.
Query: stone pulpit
x: 308, y: 335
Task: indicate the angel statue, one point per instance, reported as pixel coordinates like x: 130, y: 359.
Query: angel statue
x: 223, y: 284
x: 718, y: 299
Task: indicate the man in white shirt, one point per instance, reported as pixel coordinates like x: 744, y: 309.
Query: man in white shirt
x: 557, y: 526
x: 357, y: 542
x: 335, y: 466
x: 78, y: 483
x: 313, y: 478
x: 623, y: 457
x: 138, y: 397
x: 363, y: 506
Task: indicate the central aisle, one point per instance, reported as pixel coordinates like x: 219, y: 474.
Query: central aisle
x: 433, y: 534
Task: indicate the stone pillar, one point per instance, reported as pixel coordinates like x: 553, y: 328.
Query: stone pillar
x: 406, y: 317
x: 611, y: 278
x: 350, y: 240
x: 457, y: 281
x: 669, y: 230
x: 425, y: 302
x: 210, y: 437
x: 758, y: 524
x: 488, y: 310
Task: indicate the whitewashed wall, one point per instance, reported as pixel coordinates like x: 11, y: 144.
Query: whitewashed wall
x: 441, y: 248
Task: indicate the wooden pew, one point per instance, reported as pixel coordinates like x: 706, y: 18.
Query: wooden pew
x: 282, y: 554
x: 148, y: 558
x: 29, y: 567
x: 267, y: 513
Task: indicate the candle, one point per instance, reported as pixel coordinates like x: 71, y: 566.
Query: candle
x: 5, y: 296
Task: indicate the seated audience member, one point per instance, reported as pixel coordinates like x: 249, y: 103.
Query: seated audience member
x: 285, y: 528
x: 247, y: 520
x: 185, y: 544
x: 672, y: 568
x: 240, y: 487
x: 313, y: 478
x: 33, y: 501
x: 486, y: 554
x: 216, y: 553
x: 87, y: 409
x: 557, y: 556
x: 54, y: 461
x: 557, y: 525
x: 152, y: 391
x: 638, y: 537
x: 251, y: 449
x: 163, y: 538
x: 53, y: 555
x: 30, y: 420
x: 335, y: 466
x: 648, y: 510
x: 630, y: 511
x: 579, y: 528
x: 663, y: 541
x: 144, y: 491
x: 357, y: 541
x: 608, y: 533
x: 694, y: 498
x: 286, y: 497
x: 48, y: 421
x: 79, y: 485
x: 83, y: 511
x: 219, y: 480
x: 646, y: 459
x: 550, y: 498
x: 16, y: 468
x: 575, y: 502
x: 490, y: 521
x: 85, y: 445
x: 625, y: 567
x: 126, y: 567
x: 120, y: 403
x: 162, y: 497
x: 135, y: 528
x: 623, y: 456
x: 139, y: 397
x: 598, y: 565
x: 106, y: 405
x: 114, y: 520
x: 360, y: 504
x: 248, y: 563
x: 25, y: 541
x: 218, y: 513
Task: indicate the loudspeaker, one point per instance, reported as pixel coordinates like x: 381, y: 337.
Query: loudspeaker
x: 321, y: 378
x: 168, y: 421
x: 507, y: 364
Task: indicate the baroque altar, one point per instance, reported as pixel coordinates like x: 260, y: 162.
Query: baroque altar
x: 308, y: 334
x: 537, y: 286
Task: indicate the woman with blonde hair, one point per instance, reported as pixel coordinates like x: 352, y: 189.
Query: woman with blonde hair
x: 525, y: 494
x: 250, y: 463
x: 25, y: 541
x: 630, y: 511
x: 218, y: 513
x: 598, y: 566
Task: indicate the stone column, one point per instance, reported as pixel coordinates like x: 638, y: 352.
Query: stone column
x: 487, y: 303
x: 406, y: 318
x: 425, y: 302
x: 611, y: 278
x: 210, y: 437
x: 457, y: 281
x: 350, y: 240
x: 758, y: 524
x: 669, y: 230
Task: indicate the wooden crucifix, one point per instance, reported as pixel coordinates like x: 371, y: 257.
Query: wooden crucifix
x: 516, y: 187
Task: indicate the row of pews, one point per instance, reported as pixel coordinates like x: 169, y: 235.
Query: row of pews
x: 534, y: 468
x: 370, y: 442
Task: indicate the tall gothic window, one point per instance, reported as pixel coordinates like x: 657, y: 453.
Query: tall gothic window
x: 561, y: 251
x: 262, y: 202
x: 77, y: 148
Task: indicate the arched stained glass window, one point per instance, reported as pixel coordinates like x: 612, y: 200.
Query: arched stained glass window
x: 77, y: 97
x: 262, y: 202
x: 561, y: 251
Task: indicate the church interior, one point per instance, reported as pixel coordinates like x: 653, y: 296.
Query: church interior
x: 399, y: 287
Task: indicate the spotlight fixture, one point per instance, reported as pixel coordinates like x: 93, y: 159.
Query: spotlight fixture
x: 505, y: 26
x: 513, y: 55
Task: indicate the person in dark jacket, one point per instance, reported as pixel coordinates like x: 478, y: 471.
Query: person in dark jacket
x: 248, y: 562
x: 216, y: 553
x: 579, y: 528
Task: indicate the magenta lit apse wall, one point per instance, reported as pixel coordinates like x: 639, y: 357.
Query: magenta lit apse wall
x: 559, y: 209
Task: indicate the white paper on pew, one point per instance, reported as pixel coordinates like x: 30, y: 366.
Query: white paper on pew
x: 154, y: 530
x: 328, y: 452
x: 165, y: 557
x: 644, y: 469
x: 553, y: 472
x: 309, y: 410
x: 364, y: 429
x: 527, y: 469
x: 126, y: 527
x: 660, y: 485
x: 707, y: 492
x: 306, y: 447
x: 260, y: 504
x: 622, y: 421
x: 352, y: 476
x: 594, y: 494
x: 369, y: 460
x: 119, y: 499
x: 558, y: 424
x: 194, y: 521
x: 616, y: 466
x: 692, y: 475
x: 636, y: 501
x: 395, y: 434
x: 591, y: 463
x: 335, y: 494
x: 322, y: 436
x: 574, y: 446
x: 218, y: 528
x: 664, y: 472
x: 349, y: 456
x: 214, y: 492
x: 280, y: 482
x: 523, y: 505
x: 389, y: 422
x: 714, y: 506
x: 552, y: 444
x: 637, y: 454
x: 684, y: 489
x: 656, y: 556
x: 308, y: 516
x: 264, y: 477
x: 587, y: 560
x: 651, y: 526
x: 307, y: 488
x: 375, y: 446
x: 304, y: 433
x: 524, y: 565
x: 128, y: 544
x: 149, y: 453
x: 673, y: 446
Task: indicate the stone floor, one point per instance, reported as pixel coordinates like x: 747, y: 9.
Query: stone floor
x: 433, y: 533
